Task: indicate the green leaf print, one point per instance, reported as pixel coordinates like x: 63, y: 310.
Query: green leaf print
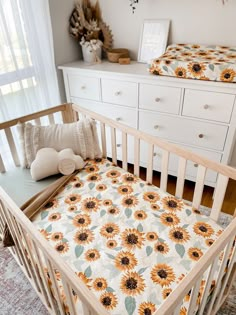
x: 149, y: 250
x: 211, y: 66
x: 44, y: 214
x: 109, y: 289
x: 88, y: 272
x: 102, y: 213
x: 91, y: 185
x: 130, y: 305
x: 180, y: 250
x: 141, y: 185
x: 68, y: 187
x: 99, y: 196
x: 94, y: 227
x: 141, y: 271
x: 49, y: 228
x: 110, y: 256
x: 78, y: 250
x: 188, y: 212
x: 140, y: 227
x: 128, y: 212
x: 165, y: 68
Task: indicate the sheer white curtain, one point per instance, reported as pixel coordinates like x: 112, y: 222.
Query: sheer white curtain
x: 28, y: 80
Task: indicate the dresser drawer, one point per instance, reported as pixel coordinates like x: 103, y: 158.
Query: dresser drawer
x: 127, y: 116
x: 84, y: 87
x: 179, y: 129
x: 159, y: 98
x: 191, y: 168
x: 120, y: 92
x: 208, y: 105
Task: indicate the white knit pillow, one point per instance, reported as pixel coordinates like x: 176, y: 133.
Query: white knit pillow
x: 80, y: 136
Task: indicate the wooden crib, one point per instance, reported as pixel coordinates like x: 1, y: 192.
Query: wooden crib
x: 32, y: 251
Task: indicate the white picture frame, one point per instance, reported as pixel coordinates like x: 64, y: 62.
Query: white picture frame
x: 153, y: 39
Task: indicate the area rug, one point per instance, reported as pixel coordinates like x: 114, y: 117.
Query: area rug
x: 18, y: 298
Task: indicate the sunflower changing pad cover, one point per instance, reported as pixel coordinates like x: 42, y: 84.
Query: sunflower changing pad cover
x: 189, y: 61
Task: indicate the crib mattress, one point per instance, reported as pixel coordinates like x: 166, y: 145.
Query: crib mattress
x: 19, y: 184
x: 214, y: 63
x: 128, y: 241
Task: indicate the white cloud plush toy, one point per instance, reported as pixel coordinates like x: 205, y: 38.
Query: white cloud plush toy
x: 49, y: 162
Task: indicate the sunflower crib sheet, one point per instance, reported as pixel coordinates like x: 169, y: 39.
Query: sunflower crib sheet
x: 209, y: 63
x: 128, y: 241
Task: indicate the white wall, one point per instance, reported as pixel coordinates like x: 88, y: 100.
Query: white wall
x: 193, y: 21
x: 65, y: 48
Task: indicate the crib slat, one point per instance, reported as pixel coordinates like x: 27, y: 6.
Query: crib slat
x: 220, y: 275
x: 194, y: 296
x: 219, y: 195
x: 2, y: 166
x: 18, y: 244
x: 16, y: 249
x: 103, y: 137
x: 69, y: 298
x: 113, y: 145
x: 164, y: 169
x: 51, y: 119
x: 181, y: 177
x: 55, y: 286
x: 37, y: 122
x: 177, y: 309
x: 86, y: 311
x: 38, y: 258
x: 197, y: 197
x: 208, y: 285
x: 33, y: 266
x: 124, y: 151
x: 150, y: 163
x: 225, y: 281
x: 12, y: 146
x: 136, y: 156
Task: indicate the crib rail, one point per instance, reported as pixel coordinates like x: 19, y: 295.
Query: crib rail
x: 67, y: 115
x: 33, y: 253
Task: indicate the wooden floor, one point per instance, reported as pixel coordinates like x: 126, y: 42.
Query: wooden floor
x: 229, y: 205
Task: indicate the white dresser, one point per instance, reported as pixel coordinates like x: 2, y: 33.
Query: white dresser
x: 198, y: 115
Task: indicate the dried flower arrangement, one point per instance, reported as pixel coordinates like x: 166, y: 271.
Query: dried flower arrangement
x: 86, y: 25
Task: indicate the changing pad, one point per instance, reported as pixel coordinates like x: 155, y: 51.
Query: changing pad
x: 211, y: 63
x: 130, y: 242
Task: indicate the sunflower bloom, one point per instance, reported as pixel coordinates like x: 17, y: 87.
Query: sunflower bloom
x: 108, y: 300
x: 132, y: 238
x: 125, y: 261
x: 132, y: 284
x: 203, y: 229
x: 162, y: 274
x: 146, y: 308
x: 110, y: 230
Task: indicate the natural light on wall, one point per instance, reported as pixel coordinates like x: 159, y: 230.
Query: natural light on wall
x: 28, y: 80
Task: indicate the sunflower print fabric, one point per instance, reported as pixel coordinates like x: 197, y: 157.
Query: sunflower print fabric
x: 209, y: 63
x: 128, y: 241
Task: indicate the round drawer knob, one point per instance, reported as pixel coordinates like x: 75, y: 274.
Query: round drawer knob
x: 83, y: 87
x: 200, y: 136
x: 155, y: 154
x: 157, y: 99
x: 206, y: 106
x: 118, y: 145
x: 195, y: 165
x: 118, y: 119
x: 118, y: 93
x: 156, y: 127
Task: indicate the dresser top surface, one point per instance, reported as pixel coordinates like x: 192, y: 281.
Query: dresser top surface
x: 136, y: 69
